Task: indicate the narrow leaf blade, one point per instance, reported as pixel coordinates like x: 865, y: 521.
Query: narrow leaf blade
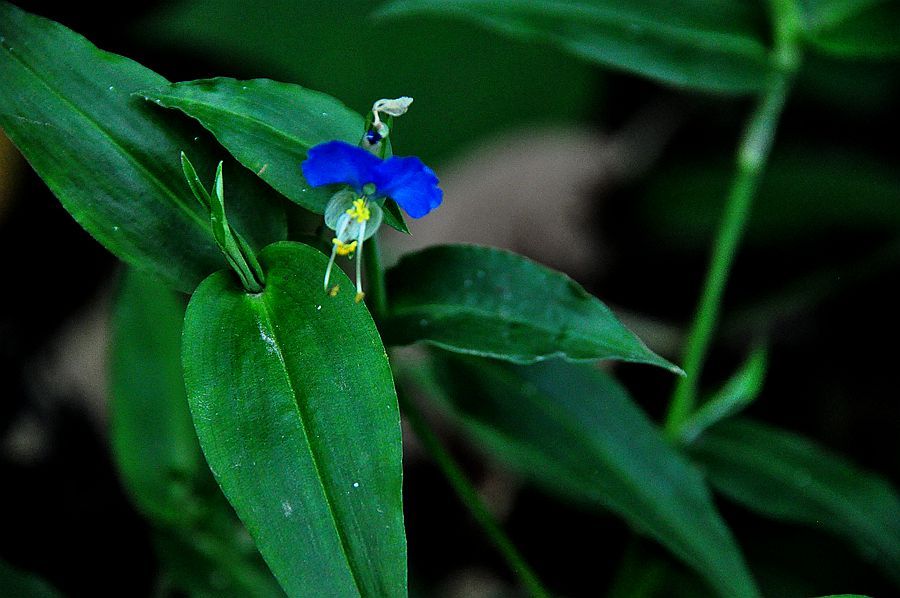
x: 494, y: 303
x: 786, y: 476
x: 294, y: 404
x: 112, y: 159
x: 573, y: 430
x: 709, y: 46
x: 268, y: 126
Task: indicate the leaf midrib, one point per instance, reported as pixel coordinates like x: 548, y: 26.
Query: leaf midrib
x: 444, y: 310
x: 167, y: 192
x: 264, y: 312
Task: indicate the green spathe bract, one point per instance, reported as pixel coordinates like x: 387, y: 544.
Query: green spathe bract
x: 494, y: 303
x: 294, y: 404
x: 111, y: 158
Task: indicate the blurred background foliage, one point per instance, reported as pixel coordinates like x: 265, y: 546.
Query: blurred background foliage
x: 813, y: 281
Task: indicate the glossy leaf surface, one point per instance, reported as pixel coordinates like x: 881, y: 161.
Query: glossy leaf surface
x: 111, y: 158
x: 268, y: 126
x: 700, y: 44
x: 575, y: 431
x: 294, y: 404
x: 203, y: 549
x: 494, y: 303
x: 783, y: 475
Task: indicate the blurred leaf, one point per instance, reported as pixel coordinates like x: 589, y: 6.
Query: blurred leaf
x: 698, y: 44
x: 854, y: 28
x: 494, y: 303
x: 294, y: 404
x: 467, y: 85
x: 151, y: 431
x: 18, y: 584
x: 785, y: 476
x: 268, y: 126
x: 805, y: 191
x: 741, y: 390
x: 201, y: 545
x: 576, y: 432
x: 111, y: 159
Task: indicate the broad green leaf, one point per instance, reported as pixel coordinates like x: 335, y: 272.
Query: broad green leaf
x: 853, y: 28
x: 576, y: 432
x: 20, y: 584
x: 741, y: 390
x: 337, y: 48
x: 202, y: 547
x: 294, y: 404
x: 268, y: 126
x: 786, y: 476
x: 494, y: 303
x: 112, y: 159
x: 699, y: 44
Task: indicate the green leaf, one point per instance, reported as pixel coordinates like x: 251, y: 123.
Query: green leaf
x: 709, y: 46
x: 294, y: 404
x: 494, y: 303
x: 20, y: 584
x: 202, y: 547
x: 786, y: 476
x: 853, y: 28
x: 112, y: 159
x: 151, y: 431
x: 741, y: 390
x: 327, y: 45
x: 269, y: 127
x: 576, y: 432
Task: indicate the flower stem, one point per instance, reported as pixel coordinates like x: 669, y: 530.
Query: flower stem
x: 376, y: 291
x: 469, y: 497
x: 751, y: 159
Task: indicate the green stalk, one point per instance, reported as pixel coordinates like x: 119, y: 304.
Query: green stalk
x: 753, y: 152
x: 376, y: 289
x: 469, y: 497
x: 751, y: 159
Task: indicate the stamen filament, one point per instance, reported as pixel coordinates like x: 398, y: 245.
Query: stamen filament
x: 362, y: 235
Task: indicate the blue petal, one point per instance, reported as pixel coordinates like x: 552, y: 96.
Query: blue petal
x: 410, y: 183
x: 340, y: 162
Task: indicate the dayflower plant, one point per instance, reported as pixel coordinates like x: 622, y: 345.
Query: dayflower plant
x: 355, y: 212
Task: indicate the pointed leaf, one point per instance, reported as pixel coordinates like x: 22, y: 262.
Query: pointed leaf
x: 741, y: 390
x: 786, y: 476
x: 202, y: 547
x: 268, y: 126
x: 112, y: 159
x: 494, y: 303
x: 294, y: 404
x: 576, y: 432
x: 698, y: 44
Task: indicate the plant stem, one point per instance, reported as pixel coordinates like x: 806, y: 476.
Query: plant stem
x: 751, y: 158
x: 376, y: 290
x: 469, y: 497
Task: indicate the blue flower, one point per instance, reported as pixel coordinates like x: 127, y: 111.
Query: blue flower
x: 354, y: 213
x: 406, y: 180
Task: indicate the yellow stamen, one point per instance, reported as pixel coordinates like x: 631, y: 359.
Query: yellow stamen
x: 360, y: 211
x: 359, y: 296
x: 334, y: 290
x: 344, y: 248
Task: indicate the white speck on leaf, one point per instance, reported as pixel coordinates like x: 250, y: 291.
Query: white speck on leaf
x: 356, y: 484
x: 287, y: 508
